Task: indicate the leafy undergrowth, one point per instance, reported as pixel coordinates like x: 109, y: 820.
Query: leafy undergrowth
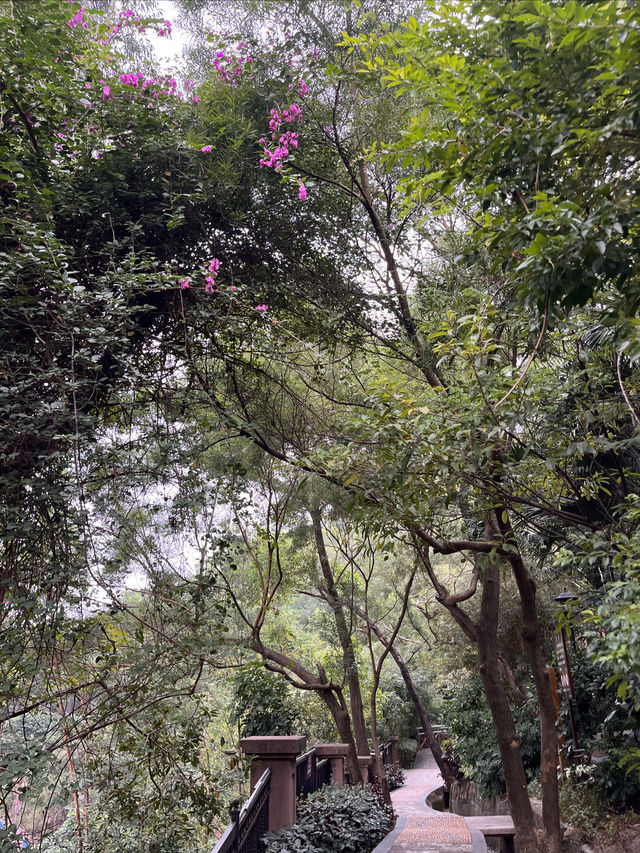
x: 335, y: 820
x: 395, y: 776
x: 618, y: 834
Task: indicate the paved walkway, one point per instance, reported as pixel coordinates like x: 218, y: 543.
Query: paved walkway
x: 421, y: 829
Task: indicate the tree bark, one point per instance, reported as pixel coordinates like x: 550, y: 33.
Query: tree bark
x: 546, y: 710
x: 344, y: 635
x: 425, y: 721
x: 340, y: 714
x: 378, y: 767
x: 508, y: 739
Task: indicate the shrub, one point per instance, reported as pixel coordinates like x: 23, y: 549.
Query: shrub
x: 407, y: 748
x: 395, y: 776
x: 335, y: 820
x: 607, y: 723
x: 581, y: 805
x: 262, y: 704
x: 474, y: 739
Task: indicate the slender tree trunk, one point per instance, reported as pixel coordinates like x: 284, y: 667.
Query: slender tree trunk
x: 72, y: 775
x: 340, y: 714
x: 378, y: 767
x: 425, y: 721
x: 508, y: 739
x: 344, y: 635
x: 357, y: 714
x: 546, y: 709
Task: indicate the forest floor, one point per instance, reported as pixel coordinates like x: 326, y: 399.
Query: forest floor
x: 626, y: 839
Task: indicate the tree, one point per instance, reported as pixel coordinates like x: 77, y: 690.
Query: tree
x: 530, y: 117
x: 341, y: 320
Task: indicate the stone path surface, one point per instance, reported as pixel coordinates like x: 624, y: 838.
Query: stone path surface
x: 421, y: 829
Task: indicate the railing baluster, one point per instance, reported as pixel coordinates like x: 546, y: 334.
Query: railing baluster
x: 249, y: 823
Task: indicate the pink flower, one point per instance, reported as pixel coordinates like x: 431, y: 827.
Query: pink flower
x: 77, y: 18
x: 262, y: 308
x: 184, y: 282
x: 210, y: 283
x: 214, y: 266
x: 302, y: 192
x: 87, y: 85
x: 206, y: 149
x: 97, y: 155
x: 106, y: 93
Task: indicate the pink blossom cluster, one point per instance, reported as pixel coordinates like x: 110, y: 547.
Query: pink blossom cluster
x: 212, y: 269
x: 115, y: 28
x: 274, y: 159
x: 167, y: 86
x: 136, y: 82
x: 210, y: 272
x: 77, y: 18
x: 230, y: 68
x: 292, y: 113
x: 132, y: 79
x: 123, y: 18
x: 302, y: 87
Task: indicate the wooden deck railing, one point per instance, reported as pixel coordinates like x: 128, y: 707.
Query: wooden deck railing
x: 311, y: 774
x: 248, y: 824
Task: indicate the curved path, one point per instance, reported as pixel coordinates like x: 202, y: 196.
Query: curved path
x: 421, y: 829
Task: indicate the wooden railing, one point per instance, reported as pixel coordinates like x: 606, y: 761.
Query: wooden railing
x: 248, y: 824
x: 440, y: 733
x: 311, y: 774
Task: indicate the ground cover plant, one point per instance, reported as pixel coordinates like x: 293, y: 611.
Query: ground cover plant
x: 335, y: 820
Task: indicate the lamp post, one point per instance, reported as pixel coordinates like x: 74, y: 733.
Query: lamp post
x: 564, y: 666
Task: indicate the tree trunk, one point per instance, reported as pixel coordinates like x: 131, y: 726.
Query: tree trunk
x: 546, y: 710
x: 344, y: 635
x: 341, y: 718
x: 378, y: 767
x: 430, y: 737
x: 508, y: 739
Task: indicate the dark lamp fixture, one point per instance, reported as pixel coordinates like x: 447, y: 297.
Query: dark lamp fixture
x: 565, y: 597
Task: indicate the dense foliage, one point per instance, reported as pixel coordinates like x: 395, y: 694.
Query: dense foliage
x: 335, y: 820
x: 330, y: 330
x: 477, y: 751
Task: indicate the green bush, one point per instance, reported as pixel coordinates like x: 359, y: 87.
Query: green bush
x: 407, y: 749
x: 335, y: 820
x: 474, y: 740
x: 395, y: 776
x: 603, y: 721
x: 581, y: 805
x: 262, y: 704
